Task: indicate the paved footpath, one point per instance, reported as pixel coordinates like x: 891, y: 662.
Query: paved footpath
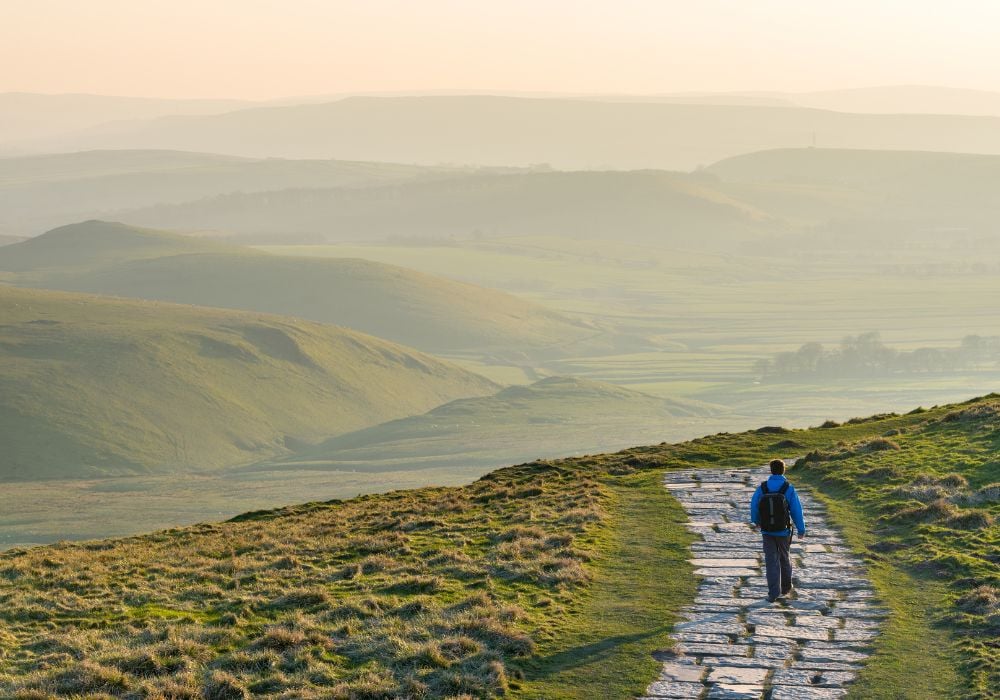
x: 732, y: 642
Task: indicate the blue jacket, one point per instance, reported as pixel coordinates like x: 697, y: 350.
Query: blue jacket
x: 774, y: 483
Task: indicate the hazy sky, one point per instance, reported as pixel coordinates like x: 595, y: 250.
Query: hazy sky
x: 274, y: 48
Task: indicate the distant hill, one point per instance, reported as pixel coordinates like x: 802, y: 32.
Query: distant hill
x: 40, y: 192
x: 26, y: 116
x: 92, y: 386
x: 657, y: 206
x: 554, y: 416
x: 903, y: 99
x: 887, y: 99
x: 566, y: 133
x: 431, y: 313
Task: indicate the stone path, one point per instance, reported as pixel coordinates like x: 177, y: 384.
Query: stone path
x: 732, y: 642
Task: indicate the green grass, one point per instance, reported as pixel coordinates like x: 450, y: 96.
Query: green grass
x: 929, y: 501
x: 914, y: 600
x: 641, y: 580
x: 94, y: 386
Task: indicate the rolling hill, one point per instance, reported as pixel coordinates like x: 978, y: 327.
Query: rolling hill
x: 667, y: 208
x: 91, y: 385
x: 430, y: 313
x: 557, y: 415
x: 40, y: 192
x: 27, y: 117
x: 509, y: 131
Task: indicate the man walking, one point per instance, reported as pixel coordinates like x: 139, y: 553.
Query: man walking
x: 773, y: 508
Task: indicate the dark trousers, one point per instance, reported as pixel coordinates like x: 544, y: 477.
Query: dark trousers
x: 778, y: 565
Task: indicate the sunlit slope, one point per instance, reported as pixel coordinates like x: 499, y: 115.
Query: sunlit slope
x: 554, y: 416
x: 659, y: 206
x: 427, y: 312
x: 39, y: 192
x: 92, y: 385
x: 942, y: 190
x: 566, y: 133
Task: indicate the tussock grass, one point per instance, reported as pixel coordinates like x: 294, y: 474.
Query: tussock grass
x: 428, y: 593
x: 931, y: 508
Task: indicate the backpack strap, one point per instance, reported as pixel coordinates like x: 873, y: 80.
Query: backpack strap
x: 784, y: 487
x: 763, y: 487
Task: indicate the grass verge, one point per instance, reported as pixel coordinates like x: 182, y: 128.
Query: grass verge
x: 641, y: 580
x: 913, y: 657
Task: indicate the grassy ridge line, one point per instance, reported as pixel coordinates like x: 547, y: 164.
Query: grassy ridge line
x: 515, y: 584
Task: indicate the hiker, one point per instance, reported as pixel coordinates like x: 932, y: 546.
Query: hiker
x: 772, y: 509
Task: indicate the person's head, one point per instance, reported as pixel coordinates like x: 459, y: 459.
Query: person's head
x: 777, y: 466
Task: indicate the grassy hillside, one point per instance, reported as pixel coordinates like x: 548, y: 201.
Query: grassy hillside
x: 92, y: 385
x: 433, y: 314
x: 551, y: 579
x: 675, y: 208
x: 567, y: 133
x: 558, y: 415
x: 40, y: 192
x: 92, y: 245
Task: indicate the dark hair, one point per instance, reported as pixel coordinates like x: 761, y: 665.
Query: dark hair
x: 777, y: 466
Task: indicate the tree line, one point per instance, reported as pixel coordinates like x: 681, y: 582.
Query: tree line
x: 865, y: 355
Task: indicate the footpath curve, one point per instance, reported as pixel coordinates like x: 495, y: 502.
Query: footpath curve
x: 732, y: 644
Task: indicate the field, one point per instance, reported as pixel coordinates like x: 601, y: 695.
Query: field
x: 716, y: 315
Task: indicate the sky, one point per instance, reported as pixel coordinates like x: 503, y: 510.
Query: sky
x: 264, y: 49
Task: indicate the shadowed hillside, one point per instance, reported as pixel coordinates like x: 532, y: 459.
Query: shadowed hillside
x: 902, y: 194
x: 551, y: 416
x: 430, y: 313
x: 668, y: 208
x: 40, y: 192
x: 92, y: 385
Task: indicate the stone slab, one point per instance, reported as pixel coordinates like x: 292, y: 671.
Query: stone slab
x: 797, y: 692
x: 728, y: 691
x: 791, y: 632
x: 680, y: 672
x: 674, y: 689
x: 737, y: 675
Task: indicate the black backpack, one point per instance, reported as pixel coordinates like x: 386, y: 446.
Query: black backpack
x: 775, y: 515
